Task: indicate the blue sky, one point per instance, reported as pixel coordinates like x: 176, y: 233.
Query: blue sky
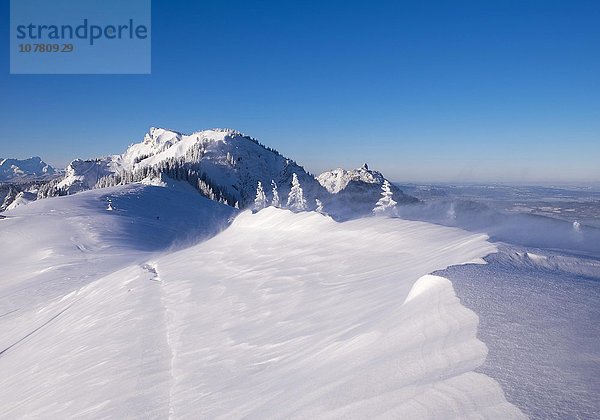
x: 424, y: 91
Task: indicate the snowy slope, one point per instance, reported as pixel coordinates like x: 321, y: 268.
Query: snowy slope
x: 355, y: 192
x: 22, y: 169
x: 54, y: 246
x: 282, y: 315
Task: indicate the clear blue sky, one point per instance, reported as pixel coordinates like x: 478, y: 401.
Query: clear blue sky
x: 439, y: 90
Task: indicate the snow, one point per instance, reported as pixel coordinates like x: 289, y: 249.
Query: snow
x: 281, y: 315
x: 111, y: 304
x: 537, y: 298
x: 160, y: 144
x: 60, y: 244
x: 539, y: 315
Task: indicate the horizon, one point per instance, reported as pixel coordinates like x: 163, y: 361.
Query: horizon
x: 501, y: 92
x: 458, y: 181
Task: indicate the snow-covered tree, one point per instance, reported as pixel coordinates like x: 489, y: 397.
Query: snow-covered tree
x: 206, y: 189
x: 275, y: 202
x: 230, y: 159
x: 260, y: 202
x: 386, y: 203
x: 319, y: 204
x: 296, y: 199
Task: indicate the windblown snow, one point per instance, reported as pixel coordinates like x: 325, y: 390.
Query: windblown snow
x: 280, y: 315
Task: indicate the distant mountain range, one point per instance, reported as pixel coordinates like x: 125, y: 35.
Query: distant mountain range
x: 12, y: 170
x: 222, y: 164
x: 20, y: 180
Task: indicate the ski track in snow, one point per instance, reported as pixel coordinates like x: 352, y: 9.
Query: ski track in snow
x: 280, y: 316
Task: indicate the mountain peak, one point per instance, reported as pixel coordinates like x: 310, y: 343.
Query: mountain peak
x: 20, y: 169
x: 222, y: 163
x: 338, y: 179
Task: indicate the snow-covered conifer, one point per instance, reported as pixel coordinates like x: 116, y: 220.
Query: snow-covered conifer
x: 296, y: 199
x: 386, y: 203
x: 230, y: 159
x: 319, y: 205
x: 260, y: 202
x: 275, y: 202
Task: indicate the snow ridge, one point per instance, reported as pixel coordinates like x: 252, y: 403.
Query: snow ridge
x: 342, y: 316
x: 370, y: 337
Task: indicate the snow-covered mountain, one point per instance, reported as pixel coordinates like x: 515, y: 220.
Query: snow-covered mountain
x: 338, y: 179
x: 354, y: 192
x: 223, y: 164
x: 24, y: 169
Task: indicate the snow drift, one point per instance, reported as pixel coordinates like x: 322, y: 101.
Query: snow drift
x: 281, y: 315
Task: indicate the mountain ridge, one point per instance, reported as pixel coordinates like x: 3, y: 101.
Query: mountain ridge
x: 13, y: 170
x: 223, y: 164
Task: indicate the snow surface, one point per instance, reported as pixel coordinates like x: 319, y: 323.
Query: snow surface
x: 281, y: 315
x: 56, y: 245
x: 538, y: 298
x: 540, y: 317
